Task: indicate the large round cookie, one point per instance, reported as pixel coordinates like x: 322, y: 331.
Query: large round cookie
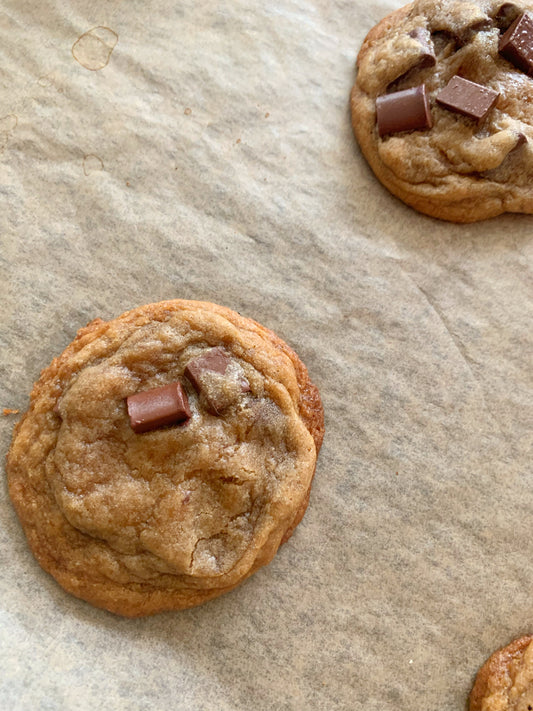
x: 462, y: 169
x: 505, y: 681
x: 141, y: 521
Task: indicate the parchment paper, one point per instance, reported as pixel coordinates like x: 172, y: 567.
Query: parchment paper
x: 202, y: 149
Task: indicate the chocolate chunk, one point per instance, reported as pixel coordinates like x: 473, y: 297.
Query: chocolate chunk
x: 420, y: 57
x: 158, y: 407
x: 212, y: 376
x: 516, y: 44
x: 510, y: 163
x: 468, y: 98
x: 423, y: 37
x: 467, y: 33
x: 445, y: 43
x: 462, y: 18
x: 214, y: 361
x: 406, y: 110
x: 506, y: 15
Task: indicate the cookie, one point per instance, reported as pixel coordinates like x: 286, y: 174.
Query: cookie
x: 505, y: 681
x: 441, y: 110
x: 165, y: 456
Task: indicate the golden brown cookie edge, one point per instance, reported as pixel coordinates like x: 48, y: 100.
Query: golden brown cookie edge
x: 494, y: 669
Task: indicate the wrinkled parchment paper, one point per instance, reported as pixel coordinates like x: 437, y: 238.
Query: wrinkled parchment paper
x: 202, y: 149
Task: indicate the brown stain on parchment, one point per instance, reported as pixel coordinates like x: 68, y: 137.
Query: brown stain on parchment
x: 92, y: 164
x: 93, y: 49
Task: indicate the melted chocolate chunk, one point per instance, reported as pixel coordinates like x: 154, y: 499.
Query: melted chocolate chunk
x: 445, y: 43
x: 509, y: 164
x: 151, y: 409
x: 516, y: 45
x: 214, y: 361
x: 467, y: 98
x: 423, y: 37
x: 426, y: 58
x: 406, y: 110
x: 506, y: 15
x: 467, y: 33
x: 212, y: 377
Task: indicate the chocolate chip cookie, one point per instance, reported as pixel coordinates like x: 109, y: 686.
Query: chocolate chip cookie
x: 441, y: 106
x: 505, y: 681
x: 165, y: 456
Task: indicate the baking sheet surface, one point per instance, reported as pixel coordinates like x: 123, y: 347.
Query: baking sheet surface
x: 203, y: 150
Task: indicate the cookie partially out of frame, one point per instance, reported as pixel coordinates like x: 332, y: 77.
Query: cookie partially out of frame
x: 505, y: 681
x: 165, y: 456
x: 463, y: 167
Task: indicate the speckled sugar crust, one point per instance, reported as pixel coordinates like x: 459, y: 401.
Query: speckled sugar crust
x: 140, y: 523
x: 459, y: 170
x: 505, y: 681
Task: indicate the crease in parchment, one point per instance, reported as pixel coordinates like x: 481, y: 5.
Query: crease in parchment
x: 460, y: 347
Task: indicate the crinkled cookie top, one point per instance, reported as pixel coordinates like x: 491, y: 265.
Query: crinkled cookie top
x: 166, y: 517
x: 460, y: 169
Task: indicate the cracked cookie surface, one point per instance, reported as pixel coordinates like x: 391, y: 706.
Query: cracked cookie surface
x: 167, y: 519
x: 460, y: 169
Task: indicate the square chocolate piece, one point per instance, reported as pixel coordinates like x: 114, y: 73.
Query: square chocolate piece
x: 516, y: 45
x: 406, y: 110
x: 468, y: 98
x: 151, y: 409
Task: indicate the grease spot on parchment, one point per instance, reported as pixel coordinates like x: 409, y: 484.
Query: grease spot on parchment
x: 92, y: 164
x: 93, y: 49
